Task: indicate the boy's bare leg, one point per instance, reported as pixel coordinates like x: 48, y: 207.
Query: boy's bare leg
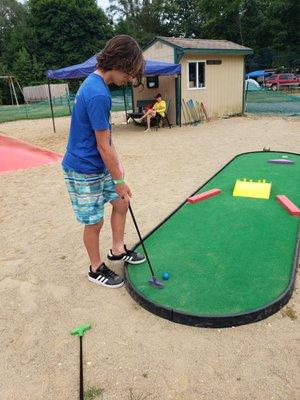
x: 91, y: 235
x: 146, y: 115
x: 149, y: 116
x: 118, y: 219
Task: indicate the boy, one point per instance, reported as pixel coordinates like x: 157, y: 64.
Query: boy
x: 91, y: 166
x: 157, y: 112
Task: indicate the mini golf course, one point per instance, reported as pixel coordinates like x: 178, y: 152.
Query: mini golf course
x: 15, y: 154
x: 231, y: 260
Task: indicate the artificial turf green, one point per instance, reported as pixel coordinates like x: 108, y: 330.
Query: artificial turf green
x: 226, y: 255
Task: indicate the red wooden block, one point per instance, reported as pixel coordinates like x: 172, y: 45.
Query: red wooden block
x: 203, y: 196
x: 288, y: 204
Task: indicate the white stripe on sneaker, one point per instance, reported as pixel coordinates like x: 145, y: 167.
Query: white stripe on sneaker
x: 104, y: 283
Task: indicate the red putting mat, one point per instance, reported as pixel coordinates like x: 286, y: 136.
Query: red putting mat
x: 20, y: 155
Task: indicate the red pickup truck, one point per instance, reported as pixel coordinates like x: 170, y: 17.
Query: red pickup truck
x: 277, y: 80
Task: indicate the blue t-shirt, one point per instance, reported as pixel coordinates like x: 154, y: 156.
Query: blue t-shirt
x: 91, y: 111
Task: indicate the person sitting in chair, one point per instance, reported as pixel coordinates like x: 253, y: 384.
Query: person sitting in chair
x: 156, y: 113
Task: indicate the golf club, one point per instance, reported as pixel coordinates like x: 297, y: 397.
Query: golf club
x: 153, y: 281
x: 80, y: 331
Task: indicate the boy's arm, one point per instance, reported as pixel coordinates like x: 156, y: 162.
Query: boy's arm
x: 111, y: 160
x: 161, y: 106
x: 108, y: 154
x: 121, y: 165
x: 98, y: 109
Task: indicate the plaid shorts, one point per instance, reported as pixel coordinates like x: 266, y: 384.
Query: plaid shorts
x: 88, y: 194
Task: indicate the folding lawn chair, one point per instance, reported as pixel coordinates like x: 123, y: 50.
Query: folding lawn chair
x: 140, y: 105
x: 158, y: 124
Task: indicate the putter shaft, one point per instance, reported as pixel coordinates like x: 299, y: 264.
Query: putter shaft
x: 81, y: 395
x: 141, y: 240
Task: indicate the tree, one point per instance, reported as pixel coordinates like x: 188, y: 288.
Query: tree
x: 12, y: 16
x: 281, y: 28
x: 183, y: 18
x: 67, y: 31
x: 142, y: 19
x: 27, y: 69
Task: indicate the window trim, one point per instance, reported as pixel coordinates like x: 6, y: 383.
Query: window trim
x: 197, y: 74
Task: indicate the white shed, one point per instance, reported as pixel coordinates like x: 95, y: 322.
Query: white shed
x: 212, y: 72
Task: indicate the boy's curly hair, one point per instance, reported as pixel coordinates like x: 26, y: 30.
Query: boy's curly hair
x: 122, y: 53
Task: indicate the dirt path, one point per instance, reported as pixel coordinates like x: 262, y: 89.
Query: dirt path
x: 44, y: 291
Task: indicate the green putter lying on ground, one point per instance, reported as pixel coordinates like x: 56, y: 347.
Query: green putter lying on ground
x: 232, y: 260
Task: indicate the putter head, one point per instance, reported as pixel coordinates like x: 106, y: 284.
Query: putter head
x: 80, y: 330
x: 156, y: 282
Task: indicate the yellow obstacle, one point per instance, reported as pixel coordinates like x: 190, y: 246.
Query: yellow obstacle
x: 258, y: 190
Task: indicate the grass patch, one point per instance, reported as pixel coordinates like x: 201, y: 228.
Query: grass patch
x: 133, y: 396
x: 93, y: 393
x: 289, y: 312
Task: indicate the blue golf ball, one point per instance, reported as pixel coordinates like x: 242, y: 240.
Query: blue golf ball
x: 165, y: 276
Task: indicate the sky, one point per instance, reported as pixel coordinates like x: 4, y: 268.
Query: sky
x: 103, y: 3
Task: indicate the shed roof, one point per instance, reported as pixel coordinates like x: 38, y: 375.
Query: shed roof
x: 209, y: 45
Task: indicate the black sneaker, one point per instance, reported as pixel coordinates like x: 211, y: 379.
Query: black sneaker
x: 105, y: 277
x: 129, y: 256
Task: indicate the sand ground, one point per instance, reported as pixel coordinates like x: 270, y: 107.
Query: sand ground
x: 44, y: 291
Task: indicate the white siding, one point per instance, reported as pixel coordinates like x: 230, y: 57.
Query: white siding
x: 160, y: 51
x: 166, y: 88
x: 223, y: 92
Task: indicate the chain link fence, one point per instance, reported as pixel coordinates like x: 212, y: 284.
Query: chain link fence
x: 62, y: 106
x: 265, y: 101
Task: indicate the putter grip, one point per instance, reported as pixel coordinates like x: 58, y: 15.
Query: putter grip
x: 80, y: 330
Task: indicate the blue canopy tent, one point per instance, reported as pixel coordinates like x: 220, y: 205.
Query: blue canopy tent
x: 258, y: 74
x: 87, y: 67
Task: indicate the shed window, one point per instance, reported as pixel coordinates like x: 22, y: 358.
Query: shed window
x: 196, y: 74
